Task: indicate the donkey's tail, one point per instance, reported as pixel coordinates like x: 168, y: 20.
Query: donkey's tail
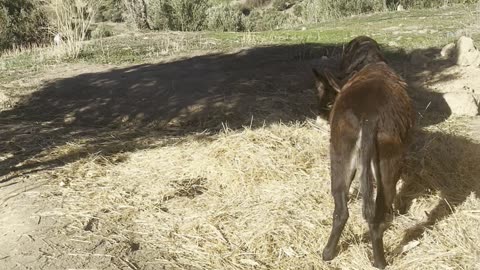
x: 368, y: 165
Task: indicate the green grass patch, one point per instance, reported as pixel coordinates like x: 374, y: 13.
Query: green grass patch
x: 412, y: 29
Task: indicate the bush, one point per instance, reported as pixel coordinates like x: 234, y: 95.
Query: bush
x: 348, y: 7
x: 320, y: 10
x: 281, y: 5
x: 22, y: 23
x: 183, y: 15
x: 256, y: 3
x: 136, y: 13
x: 298, y: 10
x: 110, y: 10
x: 268, y: 19
x: 225, y: 17
x: 101, y: 31
x: 73, y: 19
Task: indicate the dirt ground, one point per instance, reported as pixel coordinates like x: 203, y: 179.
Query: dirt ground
x: 83, y: 145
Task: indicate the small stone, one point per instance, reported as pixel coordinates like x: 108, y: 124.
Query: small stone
x: 400, y: 7
x: 448, y: 50
x: 3, y: 98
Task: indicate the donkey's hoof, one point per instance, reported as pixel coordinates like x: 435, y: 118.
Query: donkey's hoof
x: 328, y: 254
x: 380, y: 265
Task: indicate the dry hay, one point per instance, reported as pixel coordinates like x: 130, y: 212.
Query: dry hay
x: 260, y: 199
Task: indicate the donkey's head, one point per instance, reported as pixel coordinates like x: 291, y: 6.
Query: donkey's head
x: 360, y: 52
x: 327, y: 86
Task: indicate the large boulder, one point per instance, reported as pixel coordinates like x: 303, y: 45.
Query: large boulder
x: 467, y: 54
x: 461, y: 103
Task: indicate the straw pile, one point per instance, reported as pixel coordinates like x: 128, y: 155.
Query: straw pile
x: 260, y: 199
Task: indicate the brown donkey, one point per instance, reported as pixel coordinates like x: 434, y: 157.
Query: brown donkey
x: 371, y: 121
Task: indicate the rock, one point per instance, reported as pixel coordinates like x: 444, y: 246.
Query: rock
x: 3, y: 98
x: 467, y: 54
x: 448, y: 50
x: 58, y: 39
x: 5, y: 101
x: 461, y: 104
x: 400, y: 8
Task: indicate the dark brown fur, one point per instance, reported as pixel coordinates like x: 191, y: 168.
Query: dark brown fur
x: 371, y: 121
x: 326, y: 93
x: 358, y: 53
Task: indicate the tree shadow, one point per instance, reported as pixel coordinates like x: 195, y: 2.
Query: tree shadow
x: 127, y: 109
x: 142, y: 106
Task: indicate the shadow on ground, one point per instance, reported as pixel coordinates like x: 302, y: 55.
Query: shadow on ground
x: 440, y: 164
x: 123, y: 110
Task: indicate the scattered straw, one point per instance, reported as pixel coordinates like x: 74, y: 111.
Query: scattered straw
x: 260, y: 198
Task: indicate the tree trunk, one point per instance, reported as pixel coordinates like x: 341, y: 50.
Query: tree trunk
x: 143, y: 18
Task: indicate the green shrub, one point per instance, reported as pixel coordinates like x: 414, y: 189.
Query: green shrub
x: 101, y: 31
x: 298, y: 10
x: 320, y: 10
x: 110, y: 10
x: 183, y: 15
x: 281, y: 5
x: 225, y: 17
x: 268, y: 19
x: 156, y: 14
x: 22, y: 23
x: 256, y: 3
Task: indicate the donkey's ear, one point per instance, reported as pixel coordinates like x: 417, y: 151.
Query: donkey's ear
x: 332, y: 80
x: 326, y: 80
x: 320, y: 81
